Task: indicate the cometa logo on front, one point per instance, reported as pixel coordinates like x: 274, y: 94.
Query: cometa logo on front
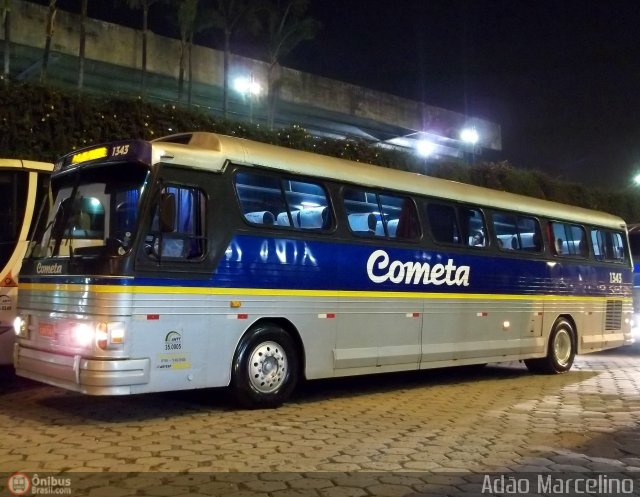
x: 380, y: 269
x: 49, y: 268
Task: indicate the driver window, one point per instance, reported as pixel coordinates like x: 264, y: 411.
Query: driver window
x: 187, y: 240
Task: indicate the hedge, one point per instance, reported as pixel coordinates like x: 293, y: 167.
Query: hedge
x: 48, y: 122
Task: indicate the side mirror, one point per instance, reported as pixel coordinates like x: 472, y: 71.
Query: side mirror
x: 167, y: 213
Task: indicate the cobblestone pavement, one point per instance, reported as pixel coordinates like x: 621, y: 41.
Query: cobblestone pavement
x: 430, y: 433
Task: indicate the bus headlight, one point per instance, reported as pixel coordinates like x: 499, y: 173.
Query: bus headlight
x: 21, y: 326
x: 83, y: 334
x: 105, y: 335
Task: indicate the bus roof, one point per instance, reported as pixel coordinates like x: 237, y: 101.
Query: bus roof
x: 212, y: 151
x: 26, y: 164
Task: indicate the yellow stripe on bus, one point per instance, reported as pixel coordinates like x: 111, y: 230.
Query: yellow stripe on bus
x: 272, y: 292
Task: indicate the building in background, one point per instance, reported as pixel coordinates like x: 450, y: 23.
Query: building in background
x: 323, y: 106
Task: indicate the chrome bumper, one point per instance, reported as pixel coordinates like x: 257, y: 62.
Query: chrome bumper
x: 89, y: 376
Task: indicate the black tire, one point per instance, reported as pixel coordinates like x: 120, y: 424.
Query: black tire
x: 265, y: 368
x: 561, y: 351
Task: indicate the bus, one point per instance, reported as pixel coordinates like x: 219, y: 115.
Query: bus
x: 22, y: 185
x: 200, y: 260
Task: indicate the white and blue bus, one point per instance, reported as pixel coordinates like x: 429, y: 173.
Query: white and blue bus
x: 22, y: 185
x: 200, y: 260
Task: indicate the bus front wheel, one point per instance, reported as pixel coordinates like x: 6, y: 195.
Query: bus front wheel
x: 265, y: 367
x: 561, y: 351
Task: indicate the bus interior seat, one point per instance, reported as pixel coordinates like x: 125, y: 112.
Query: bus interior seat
x: 260, y: 217
x: 283, y: 219
x: 392, y: 228
x: 364, y: 222
x: 314, y: 218
x: 506, y: 241
x: 515, y: 245
x: 530, y: 241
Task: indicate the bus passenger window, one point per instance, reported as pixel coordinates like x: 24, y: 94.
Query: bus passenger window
x: 381, y: 215
x: 570, y: 239
x: 608, y: 245
x: 282, y: 202
x: 518, y: 233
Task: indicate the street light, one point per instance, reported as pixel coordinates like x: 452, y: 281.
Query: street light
x: 470, y: 137
x: 425, y: 147
x: 636, y: 179
x: 249, y: 88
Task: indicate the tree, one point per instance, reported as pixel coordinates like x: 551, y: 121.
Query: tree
x: 51, y: 17
x: 228, y: 16
x: 6, y: 21
x: 287, y: 26
x: 83, y: 41
x: 187, y: 14
x: 143, y: 5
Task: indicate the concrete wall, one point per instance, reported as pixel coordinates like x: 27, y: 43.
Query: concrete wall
x: 121, y: 46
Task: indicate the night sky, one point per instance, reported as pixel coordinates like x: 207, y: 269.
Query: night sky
x: 561, y: 77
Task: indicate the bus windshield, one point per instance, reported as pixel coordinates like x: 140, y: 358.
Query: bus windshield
x: 90, y: 211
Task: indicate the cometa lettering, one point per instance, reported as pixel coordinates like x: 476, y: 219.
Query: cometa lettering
x: 49, y: 268
x: 380, y: 269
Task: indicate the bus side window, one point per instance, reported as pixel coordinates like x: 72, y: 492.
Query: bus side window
x: 515, y: 232
x: 273, y: 201
x: 188, y: 240
x: 608, y: 245
x: 381, y: 215
x: 570, y: 239
x: 617, y: 241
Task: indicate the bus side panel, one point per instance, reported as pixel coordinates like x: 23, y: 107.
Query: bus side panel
x: 375, y: 332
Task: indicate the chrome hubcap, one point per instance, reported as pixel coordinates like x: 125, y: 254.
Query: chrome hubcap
x: 267, y: 367
x: 562, y: 347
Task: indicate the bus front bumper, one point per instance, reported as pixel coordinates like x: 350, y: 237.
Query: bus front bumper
x: 89, y: 376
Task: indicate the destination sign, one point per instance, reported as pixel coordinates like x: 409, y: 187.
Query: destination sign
x: 128, y: 151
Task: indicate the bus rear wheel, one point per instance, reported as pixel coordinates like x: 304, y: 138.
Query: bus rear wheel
x: 561, y: 351
x: 265, y: 368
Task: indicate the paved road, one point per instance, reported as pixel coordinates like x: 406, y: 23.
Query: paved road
x: 431, y: 433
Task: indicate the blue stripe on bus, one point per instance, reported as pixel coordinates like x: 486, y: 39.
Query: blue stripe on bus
x: 288, y: 264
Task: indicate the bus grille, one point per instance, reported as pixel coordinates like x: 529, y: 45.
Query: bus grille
x: 613, y: 316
